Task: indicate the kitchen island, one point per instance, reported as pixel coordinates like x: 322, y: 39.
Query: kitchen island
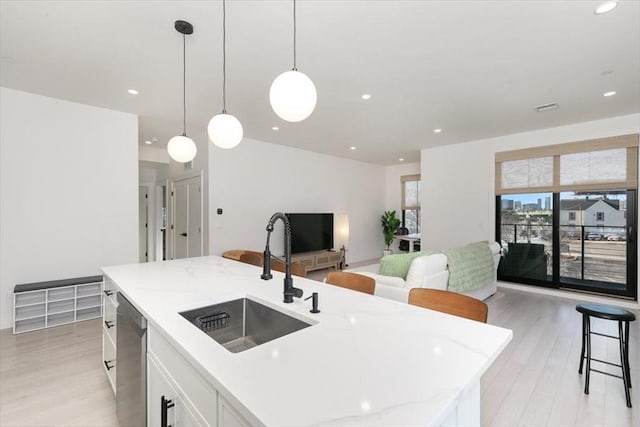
x: 363, y: 361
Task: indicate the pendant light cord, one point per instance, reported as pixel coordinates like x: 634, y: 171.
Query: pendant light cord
x: 224, y: 57
x: 294, y: 36
x: 184, y: 86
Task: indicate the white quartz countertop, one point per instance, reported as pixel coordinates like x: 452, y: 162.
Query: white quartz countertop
x: 364, y: 361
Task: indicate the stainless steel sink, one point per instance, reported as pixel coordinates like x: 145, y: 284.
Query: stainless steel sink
x: 243, y: 323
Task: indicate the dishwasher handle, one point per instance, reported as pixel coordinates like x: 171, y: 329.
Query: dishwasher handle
x: 128, y: 313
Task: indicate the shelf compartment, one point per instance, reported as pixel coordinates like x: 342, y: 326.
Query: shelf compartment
x: 57, y: 294
x: 29, y: 325
x: 60, y: 318
x: 88, y: 313
x: 30, y: 311
x: 30, y: 298
x: 61, y: 306
x: 89, y: 289
x: 87, y: 302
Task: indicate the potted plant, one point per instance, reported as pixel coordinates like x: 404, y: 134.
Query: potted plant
x: 389, y: 226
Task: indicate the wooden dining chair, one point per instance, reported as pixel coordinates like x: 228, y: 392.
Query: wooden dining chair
x: 253, y: 258
x: 297, y: 269
x: 233, y: 254
x: 353, y: 281
x: 449, y: 302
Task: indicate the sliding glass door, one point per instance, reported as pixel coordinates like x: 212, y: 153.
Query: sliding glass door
x: 581, y: 240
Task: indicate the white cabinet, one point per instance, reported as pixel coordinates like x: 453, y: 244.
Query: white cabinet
x: 109, y: 319
x: 46, y: 304
x: 228, y: 416
x: 166, y: 405
x: 193, y: 391
x: 196, y: 401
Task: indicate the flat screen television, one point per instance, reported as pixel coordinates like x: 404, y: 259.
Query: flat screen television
x: 310, y: 231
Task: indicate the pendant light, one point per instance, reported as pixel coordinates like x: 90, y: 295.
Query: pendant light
x: 181, y: 148
x: 224, y: 130
x: 293, y: 95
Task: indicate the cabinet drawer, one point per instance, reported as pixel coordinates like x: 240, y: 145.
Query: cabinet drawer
x: 199, y: 393
x: 110, y: 318
x: 109, y: 359
x: 110, y: 288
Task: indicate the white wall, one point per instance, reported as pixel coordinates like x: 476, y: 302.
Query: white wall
x: 457, y: 187
x: 68, y: 191
x: 256, y: 179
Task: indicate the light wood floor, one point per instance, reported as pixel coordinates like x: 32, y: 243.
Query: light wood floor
x: 55, y: 378
x: 535, y: 381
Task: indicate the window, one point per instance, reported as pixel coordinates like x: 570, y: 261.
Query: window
x: 411, y: 202
x: 550, y: 206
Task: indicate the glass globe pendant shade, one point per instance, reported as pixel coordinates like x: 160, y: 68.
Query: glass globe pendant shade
x: 182, y: 149
x: 225, y: 131
x: 293, y: 96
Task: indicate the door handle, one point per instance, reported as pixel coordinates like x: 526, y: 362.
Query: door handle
x: 107, y: 292
x: 108, y: 324
x: 183, y: 234
x: 165, y: 404
x: 106, y: 364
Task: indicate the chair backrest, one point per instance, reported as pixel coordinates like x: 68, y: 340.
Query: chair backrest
x: 297, y: 269
x: 254, y: 258
x: 449, y: 302
x: 353, y: 281
x: 233, y: 254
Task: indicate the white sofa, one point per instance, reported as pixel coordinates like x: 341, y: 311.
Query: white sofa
x: 429, y: 271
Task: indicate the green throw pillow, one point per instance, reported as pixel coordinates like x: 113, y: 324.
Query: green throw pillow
x: 397, y: 265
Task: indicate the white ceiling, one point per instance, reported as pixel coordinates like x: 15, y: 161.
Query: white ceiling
x: 475, y: 69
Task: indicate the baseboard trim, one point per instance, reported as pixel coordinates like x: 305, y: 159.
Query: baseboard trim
x: 634, y: 305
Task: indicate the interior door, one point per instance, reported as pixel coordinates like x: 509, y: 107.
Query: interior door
x: 186, y: 230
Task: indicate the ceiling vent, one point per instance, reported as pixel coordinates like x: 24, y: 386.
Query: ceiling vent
x: 546, y: 107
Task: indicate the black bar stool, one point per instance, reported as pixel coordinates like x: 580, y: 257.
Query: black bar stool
x: 607, y: 312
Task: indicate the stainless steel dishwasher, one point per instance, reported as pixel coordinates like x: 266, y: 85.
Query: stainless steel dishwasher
x: 131, y: 357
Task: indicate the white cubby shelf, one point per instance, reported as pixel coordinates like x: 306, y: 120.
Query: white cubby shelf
x: 46, y: 304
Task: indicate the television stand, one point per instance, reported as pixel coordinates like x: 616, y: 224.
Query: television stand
x: 319, y: 260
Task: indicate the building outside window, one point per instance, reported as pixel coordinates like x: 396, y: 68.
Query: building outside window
x: 599, y: 216
x: 572, y: 216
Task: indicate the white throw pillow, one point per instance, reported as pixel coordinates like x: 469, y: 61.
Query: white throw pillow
x: 425, y: 266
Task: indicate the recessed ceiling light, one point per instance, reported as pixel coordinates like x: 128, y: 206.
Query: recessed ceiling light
x: 610, y: 93
x: 132, y: 92
x: 148, y: 142
x: 275, y: 128
x: 352, y: 148
x: 437, y: 130
x: 366, y: 96
x: 605, y: 7
x: 401, y: 159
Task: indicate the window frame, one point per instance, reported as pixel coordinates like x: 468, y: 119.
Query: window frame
x: 403, y: 200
